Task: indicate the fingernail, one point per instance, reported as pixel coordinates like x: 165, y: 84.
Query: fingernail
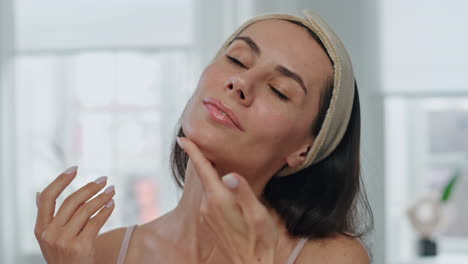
x: 38, y: 197
x: 109, y: 189
x: 180, y: 142
x: 71, y: 170
x: 230, y: 181
x: 101, y: 179
x: 110, y: 203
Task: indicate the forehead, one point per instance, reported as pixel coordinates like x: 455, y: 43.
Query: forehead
x: 292, y: 46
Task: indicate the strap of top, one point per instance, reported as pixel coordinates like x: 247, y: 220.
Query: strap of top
x: 128, y: 235
x: 296, y: 251
x: 125, y: 243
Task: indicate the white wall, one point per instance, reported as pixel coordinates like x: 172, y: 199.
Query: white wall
x: 93, y: 24
x: 228, y: 14
x: 424, y: 46
x: 357, y: 23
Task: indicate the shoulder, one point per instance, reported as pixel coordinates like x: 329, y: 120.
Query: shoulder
x: 340, y: 249
x: 108, y: 245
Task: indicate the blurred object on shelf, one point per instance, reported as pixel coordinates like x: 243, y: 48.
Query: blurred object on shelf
x: 432, y: 212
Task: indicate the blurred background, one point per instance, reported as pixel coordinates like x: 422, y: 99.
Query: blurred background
x: 101, y: 84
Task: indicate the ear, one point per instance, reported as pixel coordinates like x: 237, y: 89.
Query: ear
x: 298, y: 157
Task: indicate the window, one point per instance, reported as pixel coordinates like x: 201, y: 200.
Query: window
x: 447, y: 149
x: 426, y: 142
x: 104, y: 112
x: 102, y: 101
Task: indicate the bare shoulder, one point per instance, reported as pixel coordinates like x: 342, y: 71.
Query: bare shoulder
x: 108, y: 245
x: 340, y: 249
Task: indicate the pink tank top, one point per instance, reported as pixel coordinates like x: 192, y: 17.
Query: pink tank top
x: 128, y: 235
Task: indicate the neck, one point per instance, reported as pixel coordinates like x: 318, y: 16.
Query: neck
x: 183, y: 228
x: 186, y: 229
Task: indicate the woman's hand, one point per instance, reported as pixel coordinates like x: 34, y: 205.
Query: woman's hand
x: 245, y: 230
x: 69, y: 236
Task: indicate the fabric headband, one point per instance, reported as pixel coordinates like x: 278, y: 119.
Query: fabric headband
x: 339, y: 111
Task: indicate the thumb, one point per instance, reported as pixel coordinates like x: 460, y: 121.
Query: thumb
x: 241, y: 190
x: 231, y: 181
x: 253, y: 210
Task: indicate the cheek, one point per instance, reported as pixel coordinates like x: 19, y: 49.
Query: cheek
x: 193, y: 121
x: 191, y: 115
x: 281, y: 129
x: 274, y: 125
x: 213, y: 77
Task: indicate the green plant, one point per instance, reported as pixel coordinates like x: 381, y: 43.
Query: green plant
x: 448, y: 189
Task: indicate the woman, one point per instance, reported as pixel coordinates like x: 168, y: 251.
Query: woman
x: 267, y: 154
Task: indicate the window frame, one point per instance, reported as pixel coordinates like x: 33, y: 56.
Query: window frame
x: 8, y: 241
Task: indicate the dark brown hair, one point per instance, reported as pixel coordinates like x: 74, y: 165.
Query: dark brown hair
x: 324, y: 199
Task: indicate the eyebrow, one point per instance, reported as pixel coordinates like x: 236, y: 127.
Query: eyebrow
x: 288, y: 73
x: 249, y: 42
x: 281, y: 69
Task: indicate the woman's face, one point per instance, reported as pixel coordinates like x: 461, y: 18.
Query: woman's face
x: 271, y: 78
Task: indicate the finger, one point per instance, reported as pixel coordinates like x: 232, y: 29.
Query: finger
x: 71, y: 204
x: 222, y: 215
x: 95, y: 224
x: 243, y: 193
x: 256, y: 215
x: 46, y: 199
x: 82, y: 216
x: 38, y: 197
x: 206, y: 172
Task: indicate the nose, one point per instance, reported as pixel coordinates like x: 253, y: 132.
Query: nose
x: 239, y: 88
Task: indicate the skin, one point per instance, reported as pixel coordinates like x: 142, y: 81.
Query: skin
x: 268, y: 121
x: 219, y: 218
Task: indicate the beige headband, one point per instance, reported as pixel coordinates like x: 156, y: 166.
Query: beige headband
x: 336, y: 120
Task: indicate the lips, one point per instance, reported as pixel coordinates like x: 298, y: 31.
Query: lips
x: 221, y: 112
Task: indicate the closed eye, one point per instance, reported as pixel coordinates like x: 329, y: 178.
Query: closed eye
x: 275, y: 91
x: 236, y: 61
x: 278, y: 93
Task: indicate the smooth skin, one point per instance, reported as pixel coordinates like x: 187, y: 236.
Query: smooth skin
x: 220, y: 217
x: 242, y: 225
x: 246, y: 230
x: 69, y: 236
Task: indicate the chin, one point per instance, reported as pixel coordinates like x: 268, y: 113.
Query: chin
x: 204, y: 136
x: 213, y: 140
